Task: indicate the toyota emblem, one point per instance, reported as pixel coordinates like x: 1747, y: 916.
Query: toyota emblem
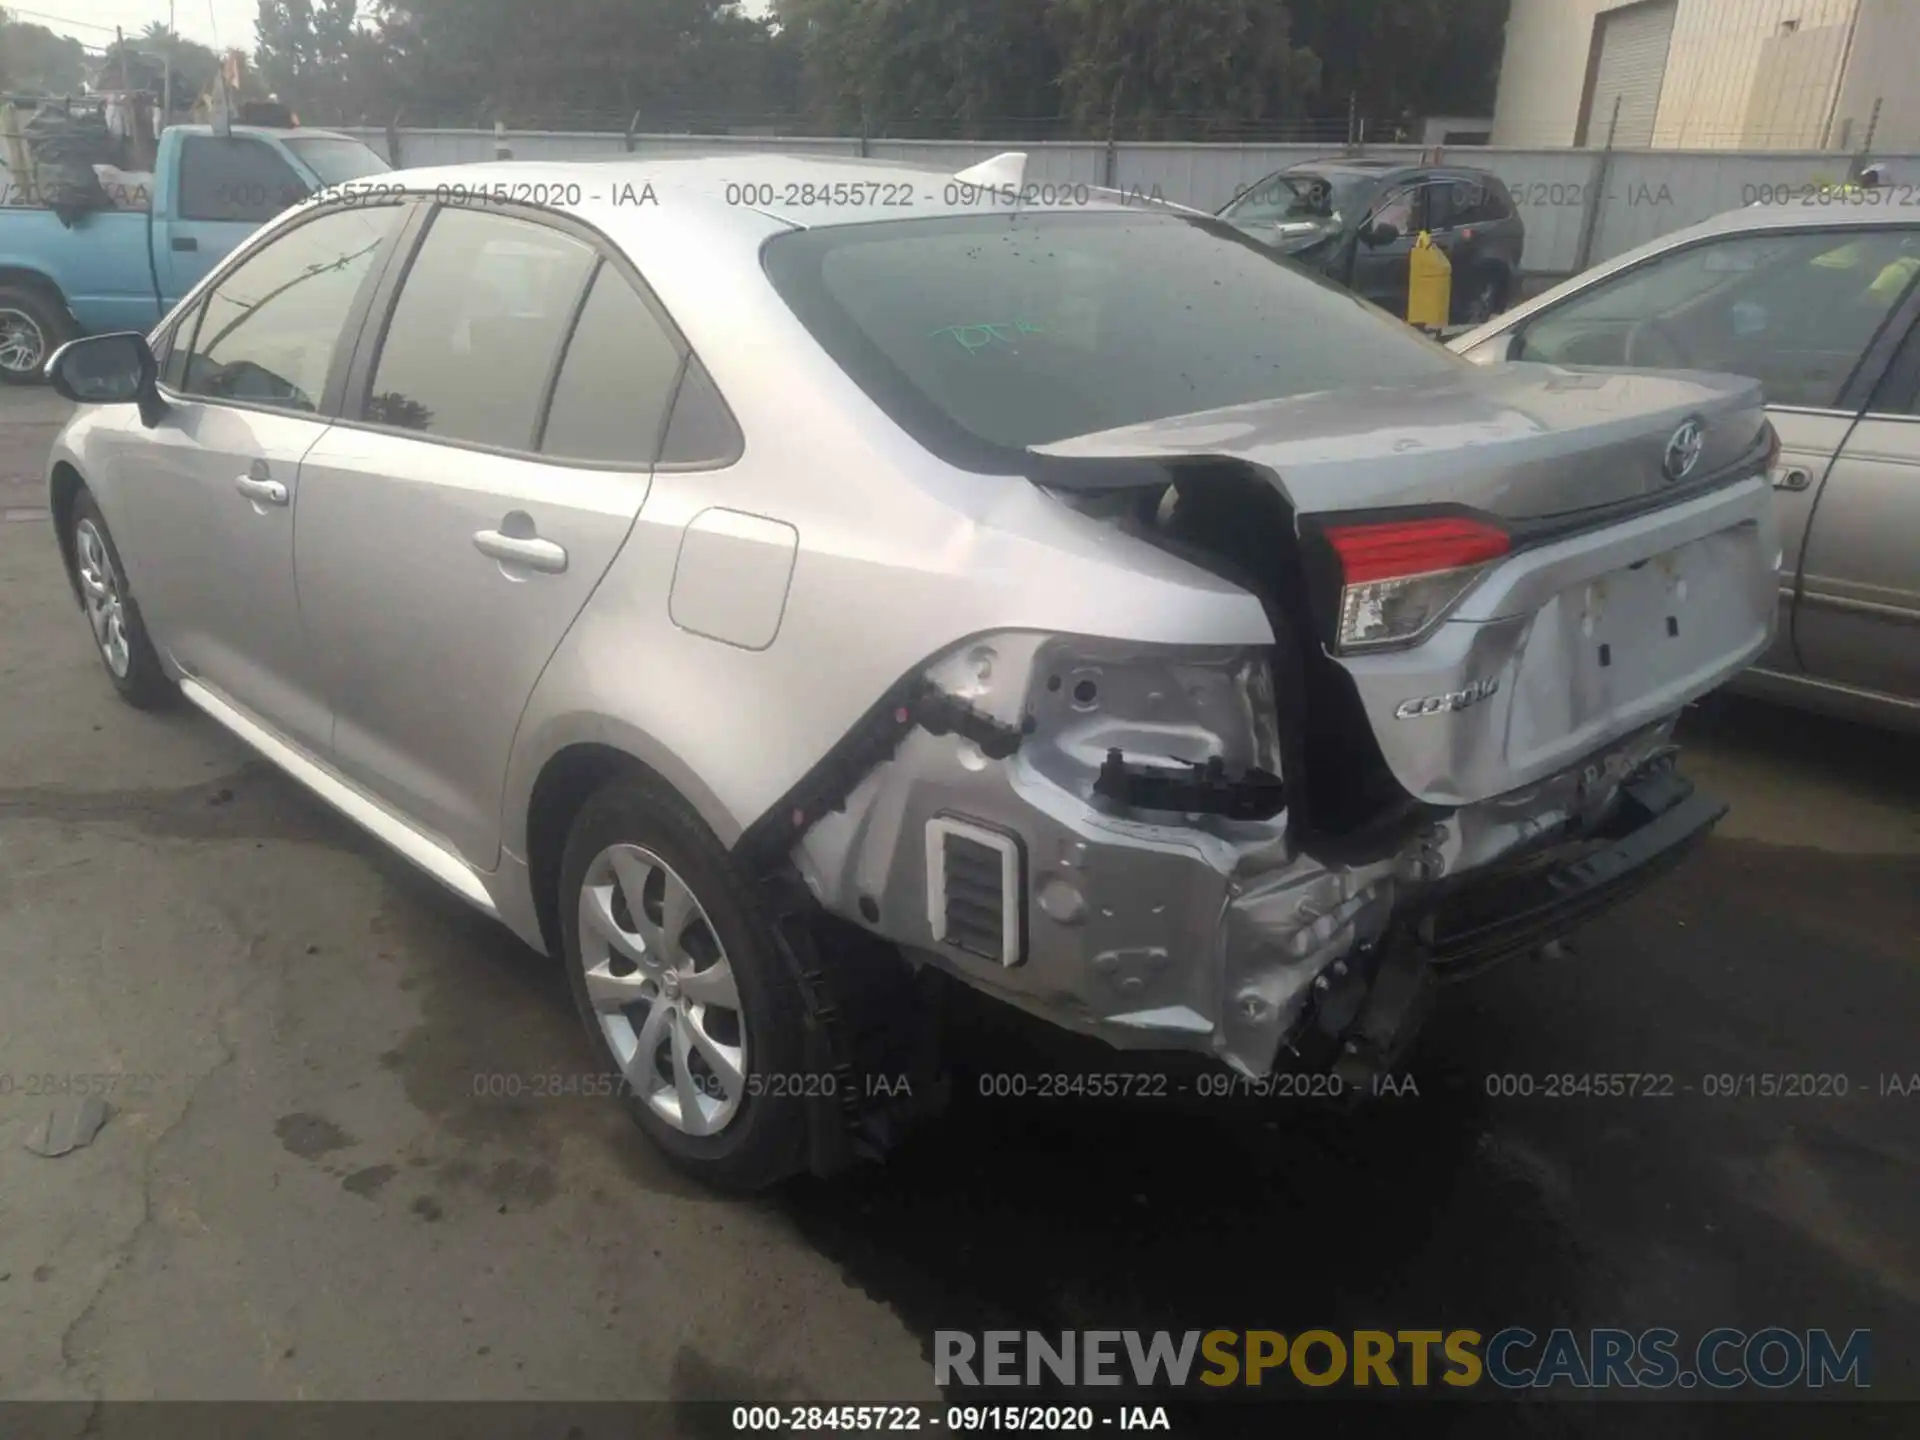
x: 1683, y: 451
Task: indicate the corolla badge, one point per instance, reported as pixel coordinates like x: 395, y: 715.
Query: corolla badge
x: 1449, y: 704
x: 1683, y: 451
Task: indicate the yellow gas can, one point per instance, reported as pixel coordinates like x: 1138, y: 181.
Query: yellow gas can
x: 1429, y: 285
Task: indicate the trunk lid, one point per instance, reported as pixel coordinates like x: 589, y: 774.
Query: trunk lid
x: 1520, y: 442
x: 1594, y: 626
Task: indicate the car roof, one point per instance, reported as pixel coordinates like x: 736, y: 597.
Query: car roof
x: 1789, y: 216
x: 1383, y: 169
x: 783, y: 187
x: 1351, y: 162
x: 270, y: 132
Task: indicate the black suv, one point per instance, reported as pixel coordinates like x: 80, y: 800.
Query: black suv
x: 1356, y: 221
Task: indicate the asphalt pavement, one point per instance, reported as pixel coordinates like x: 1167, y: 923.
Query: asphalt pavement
x: 312, y: 1185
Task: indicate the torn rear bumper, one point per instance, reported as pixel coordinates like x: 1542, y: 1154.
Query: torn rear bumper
x: 1659, y: 819
x: 1028, y: 878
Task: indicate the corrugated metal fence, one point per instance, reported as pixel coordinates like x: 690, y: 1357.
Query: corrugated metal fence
x: 1628, y: 196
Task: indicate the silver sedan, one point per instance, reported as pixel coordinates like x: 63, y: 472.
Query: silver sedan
x: 779, y: 589
x: 1819, y: 303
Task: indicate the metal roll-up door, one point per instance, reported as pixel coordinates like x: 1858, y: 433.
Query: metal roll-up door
x: 1631, y: 63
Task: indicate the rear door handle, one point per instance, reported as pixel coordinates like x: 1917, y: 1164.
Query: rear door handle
x: 531, y: 552
x: 261, y: 490
x: 185, y: 242
x: 1793, y: 478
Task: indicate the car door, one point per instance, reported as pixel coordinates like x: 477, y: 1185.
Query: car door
x: 1380, y: 272
x: 1858, y: 623
x: 225, y: 188
x: 1771, y: 304
x: 504, y: 427
x: 211, y: 513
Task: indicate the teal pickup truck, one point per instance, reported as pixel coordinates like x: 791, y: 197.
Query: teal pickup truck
x: 124, y: 269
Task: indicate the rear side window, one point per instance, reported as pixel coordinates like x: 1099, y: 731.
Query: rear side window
x: 269, y: 328
x: 1477, y: 202
x: 336, y: 161
x: 984, y: 335
x: 477, y: 329
x: 702, y: 431
x: 616, y: 382
x: 235, y: 178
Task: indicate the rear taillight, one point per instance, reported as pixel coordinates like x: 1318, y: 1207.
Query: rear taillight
x: 1399, y: 577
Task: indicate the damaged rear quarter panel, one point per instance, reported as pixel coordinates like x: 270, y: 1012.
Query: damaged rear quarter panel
x: 898, y: 558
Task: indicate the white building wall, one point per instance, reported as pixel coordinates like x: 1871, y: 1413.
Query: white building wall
x: 1708, y: 99
x: 1884, y: 65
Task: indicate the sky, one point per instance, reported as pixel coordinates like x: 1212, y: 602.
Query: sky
x: 219, y: 23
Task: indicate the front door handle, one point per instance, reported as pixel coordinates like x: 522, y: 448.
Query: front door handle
x: 529, y: 551
x: 261, y: 490
x: 1792, y: 478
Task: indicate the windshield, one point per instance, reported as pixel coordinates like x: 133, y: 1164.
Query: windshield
x: 1296, y: 195
x: 336, y: 161
x: 984, y: 335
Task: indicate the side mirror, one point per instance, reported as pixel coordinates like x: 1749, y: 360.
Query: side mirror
x: 1498, y: 350
x: 1382, y: 233
x: 117, y: 369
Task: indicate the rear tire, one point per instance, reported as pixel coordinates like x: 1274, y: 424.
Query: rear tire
x: 33, y: 324
x: 119, y: 632
x: 684, y: 994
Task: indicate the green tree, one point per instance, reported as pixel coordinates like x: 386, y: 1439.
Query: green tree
x: 192, y: 64
x: 1398, y: 60
x: 324, y: 59
x: 35, y: 61
x: 583, y: 61
x: 1177, y: 69
x: 960, y: 65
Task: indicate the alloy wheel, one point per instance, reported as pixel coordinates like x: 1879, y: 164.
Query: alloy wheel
x: 106, y: 607
x: 663, y: 990
x: 23, y: 347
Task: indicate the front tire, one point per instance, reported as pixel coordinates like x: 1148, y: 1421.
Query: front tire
x: 677, y: 977
x: 1485, y: 297
x: 119, y: 633
x: 33, y: 325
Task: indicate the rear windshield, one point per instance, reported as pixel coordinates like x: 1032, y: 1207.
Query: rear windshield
x: 982, y: 335
x: 337, y: 161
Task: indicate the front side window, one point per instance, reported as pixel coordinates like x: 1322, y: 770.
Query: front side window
x: 1404, y: 210
x: 989, y: 334
x: 1291, y: 196
x: 235, y: 178
x: 269, y: 328
x: 477, y: 329
x: 1794, y: 310
x: 175, y: 345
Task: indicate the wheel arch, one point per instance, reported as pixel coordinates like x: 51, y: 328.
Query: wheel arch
x: 36, y: 280
x: 63, y: 493
x: 573, y: 770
